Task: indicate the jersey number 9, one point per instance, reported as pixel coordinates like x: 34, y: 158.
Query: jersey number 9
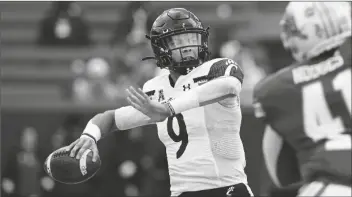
x: 182, y: 137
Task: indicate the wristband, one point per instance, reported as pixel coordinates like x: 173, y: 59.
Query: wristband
x: 171, y: 109
x: 86, y: 134
x: 92, y: 130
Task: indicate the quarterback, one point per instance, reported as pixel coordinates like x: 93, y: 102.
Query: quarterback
x: 195, y: 106
x: 307, y: 106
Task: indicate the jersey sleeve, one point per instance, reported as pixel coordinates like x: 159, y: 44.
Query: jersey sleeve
x: 225, y: 67
x: 128, y: 117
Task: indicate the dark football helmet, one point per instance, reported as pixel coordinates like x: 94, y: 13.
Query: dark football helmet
x: 179, y: 41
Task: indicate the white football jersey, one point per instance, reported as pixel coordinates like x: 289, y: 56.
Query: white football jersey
x: 203, y: 145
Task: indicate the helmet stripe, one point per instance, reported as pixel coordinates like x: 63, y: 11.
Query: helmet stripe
x: 321, y: 14
x: 328, y: 14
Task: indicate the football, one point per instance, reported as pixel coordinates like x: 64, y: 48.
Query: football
x: 69, y: 170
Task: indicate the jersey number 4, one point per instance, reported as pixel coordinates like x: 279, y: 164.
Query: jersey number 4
x: 319, y: 122
x: 181, y: 137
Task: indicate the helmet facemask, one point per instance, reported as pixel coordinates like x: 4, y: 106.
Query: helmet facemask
x: 181, y: 50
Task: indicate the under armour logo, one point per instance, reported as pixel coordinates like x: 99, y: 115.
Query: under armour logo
x: 229, y: 191
x: 188, y: 87
x: 161, y: 96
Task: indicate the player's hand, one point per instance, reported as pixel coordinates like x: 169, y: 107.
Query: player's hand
x: 154, y: 110
x: 79, y: 146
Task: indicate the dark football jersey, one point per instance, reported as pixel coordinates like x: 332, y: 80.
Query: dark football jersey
x: 307, y: 103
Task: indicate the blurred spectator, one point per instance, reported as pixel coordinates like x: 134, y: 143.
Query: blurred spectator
x: 23, y: 172
x: 141, y: 71
x: 63, y: 25
x: 130, y: 68
x: 93, y: 81
x: 156, y: 179
x: 134, y: 23
x: 244, y: 57
x: 253, y: 71
x: 131, y: 45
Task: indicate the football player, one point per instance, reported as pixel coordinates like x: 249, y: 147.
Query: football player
x: 195, y: 106
x: 307, y: 106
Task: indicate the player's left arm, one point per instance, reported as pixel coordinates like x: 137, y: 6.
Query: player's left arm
x: 279, y: 157
x: 224, y: 81
x: 272, y: 143
x: 216, y: 90
x: 281, y: 163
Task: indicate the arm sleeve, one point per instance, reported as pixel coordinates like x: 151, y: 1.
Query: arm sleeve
x: 128, y: 118
x: 217, y: 90
x: 224, y: 68
x: 213, y: 91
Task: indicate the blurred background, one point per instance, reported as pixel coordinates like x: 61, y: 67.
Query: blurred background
x: 63, y: 62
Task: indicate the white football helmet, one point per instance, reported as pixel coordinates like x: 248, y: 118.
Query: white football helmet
x: 310, y: 28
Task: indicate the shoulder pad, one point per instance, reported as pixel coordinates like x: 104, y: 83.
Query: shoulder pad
x: 225, y: 67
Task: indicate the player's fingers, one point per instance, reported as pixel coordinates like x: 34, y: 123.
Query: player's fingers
x: 133, y: 97
x: 132, y: 100
x: 133, y: 104
x: 95, y: 153
x: 136, y: 106
x: 143, y: 94
x: 138, y: 95
x: 69, y: 147
x: 76, y: 147
x: 83, y: 148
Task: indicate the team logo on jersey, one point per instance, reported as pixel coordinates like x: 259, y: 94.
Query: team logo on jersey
x: 186, y: 87
x: 161, y: 95
x: 168, y: 100
x: 229, y: 191
x: 231, y: 62
x: 150, y: 94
